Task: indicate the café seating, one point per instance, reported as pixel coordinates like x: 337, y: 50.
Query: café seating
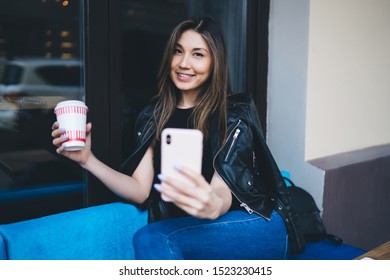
x: 103, y: 233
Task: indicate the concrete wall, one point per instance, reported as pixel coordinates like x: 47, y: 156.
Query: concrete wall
x: 287, y: 82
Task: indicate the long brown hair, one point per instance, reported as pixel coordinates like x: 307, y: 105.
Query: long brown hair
x: 213, y: 96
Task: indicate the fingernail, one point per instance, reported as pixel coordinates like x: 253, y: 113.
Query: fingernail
x: 62, y: 130
x: 178, y: 166
x: 157, y: 186
x: 60, y: 149
x: 64, y: 137
x: 161, y: 177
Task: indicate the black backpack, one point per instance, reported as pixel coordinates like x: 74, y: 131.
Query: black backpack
x: 308, y: 215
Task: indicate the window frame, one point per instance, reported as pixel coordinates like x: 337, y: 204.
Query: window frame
x: 102, y: 85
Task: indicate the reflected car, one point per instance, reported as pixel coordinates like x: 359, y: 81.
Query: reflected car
x: 37, y: 83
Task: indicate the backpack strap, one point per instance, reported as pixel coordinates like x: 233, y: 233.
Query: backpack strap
x: 335, y: 239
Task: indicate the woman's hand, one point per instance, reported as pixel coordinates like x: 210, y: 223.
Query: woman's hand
x: 80, y: 156
x: 202, y: 200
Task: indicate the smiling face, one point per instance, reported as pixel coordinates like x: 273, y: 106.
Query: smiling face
x: 191, y: 63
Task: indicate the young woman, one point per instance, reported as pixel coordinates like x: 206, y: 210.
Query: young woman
x: 239, y: 208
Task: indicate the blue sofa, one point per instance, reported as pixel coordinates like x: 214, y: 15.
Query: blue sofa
x: 102, y: 233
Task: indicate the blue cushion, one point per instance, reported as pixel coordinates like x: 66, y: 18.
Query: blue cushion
x: 3, y: 254
x: 105, y: 232
x: 326, y: 250
x: 99, y: 232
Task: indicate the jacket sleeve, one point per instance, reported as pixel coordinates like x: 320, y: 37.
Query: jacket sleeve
x: 142, y: 123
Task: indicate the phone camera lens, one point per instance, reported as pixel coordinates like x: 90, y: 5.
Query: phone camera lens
x: 168, y: 139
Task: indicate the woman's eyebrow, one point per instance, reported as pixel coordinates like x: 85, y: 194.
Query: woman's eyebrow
x: 199, y: 49
x: 194, y: 49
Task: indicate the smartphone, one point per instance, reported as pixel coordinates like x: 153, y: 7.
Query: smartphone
x: 183, y: 147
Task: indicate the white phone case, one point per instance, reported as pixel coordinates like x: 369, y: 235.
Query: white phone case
x: 183, y: 147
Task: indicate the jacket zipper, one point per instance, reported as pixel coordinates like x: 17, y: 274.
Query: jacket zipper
x: 247, y: 208
x: 235, y: 136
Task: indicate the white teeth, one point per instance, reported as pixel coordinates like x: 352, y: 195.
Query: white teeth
x: 184, y: 75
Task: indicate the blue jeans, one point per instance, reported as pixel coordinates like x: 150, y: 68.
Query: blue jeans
x: 235, y: 235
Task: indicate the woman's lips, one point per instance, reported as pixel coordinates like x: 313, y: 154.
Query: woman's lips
x: 184, y: 77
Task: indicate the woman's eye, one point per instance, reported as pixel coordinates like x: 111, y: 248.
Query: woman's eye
x: 177, y: 51
x: 198, y: 54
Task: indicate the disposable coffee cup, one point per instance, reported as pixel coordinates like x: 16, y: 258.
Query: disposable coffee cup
x: 72, y: 116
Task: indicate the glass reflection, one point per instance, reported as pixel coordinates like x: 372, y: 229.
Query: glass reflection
x: 40, y: 65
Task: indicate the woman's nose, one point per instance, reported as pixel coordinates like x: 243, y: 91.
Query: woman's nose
x: 184, y: 63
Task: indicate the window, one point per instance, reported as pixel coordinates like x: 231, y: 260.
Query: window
x: 42, y: 54
x: 145, y: 29
x: 40, y: 65
x: 124, y: 46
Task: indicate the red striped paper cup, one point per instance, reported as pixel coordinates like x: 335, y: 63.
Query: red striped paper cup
x: 72, y: 116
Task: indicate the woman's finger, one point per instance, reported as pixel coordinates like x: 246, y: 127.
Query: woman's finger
x: 199, y: 191
x: 197, y: 178
x: 88, y: 127
x: 57, y: 132
x: 59, y: 140
x: 181, y: 199
x: 55, y: 125
x: 60, y: 149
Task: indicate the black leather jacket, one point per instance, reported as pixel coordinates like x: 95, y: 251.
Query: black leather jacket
x: 244, y: 162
